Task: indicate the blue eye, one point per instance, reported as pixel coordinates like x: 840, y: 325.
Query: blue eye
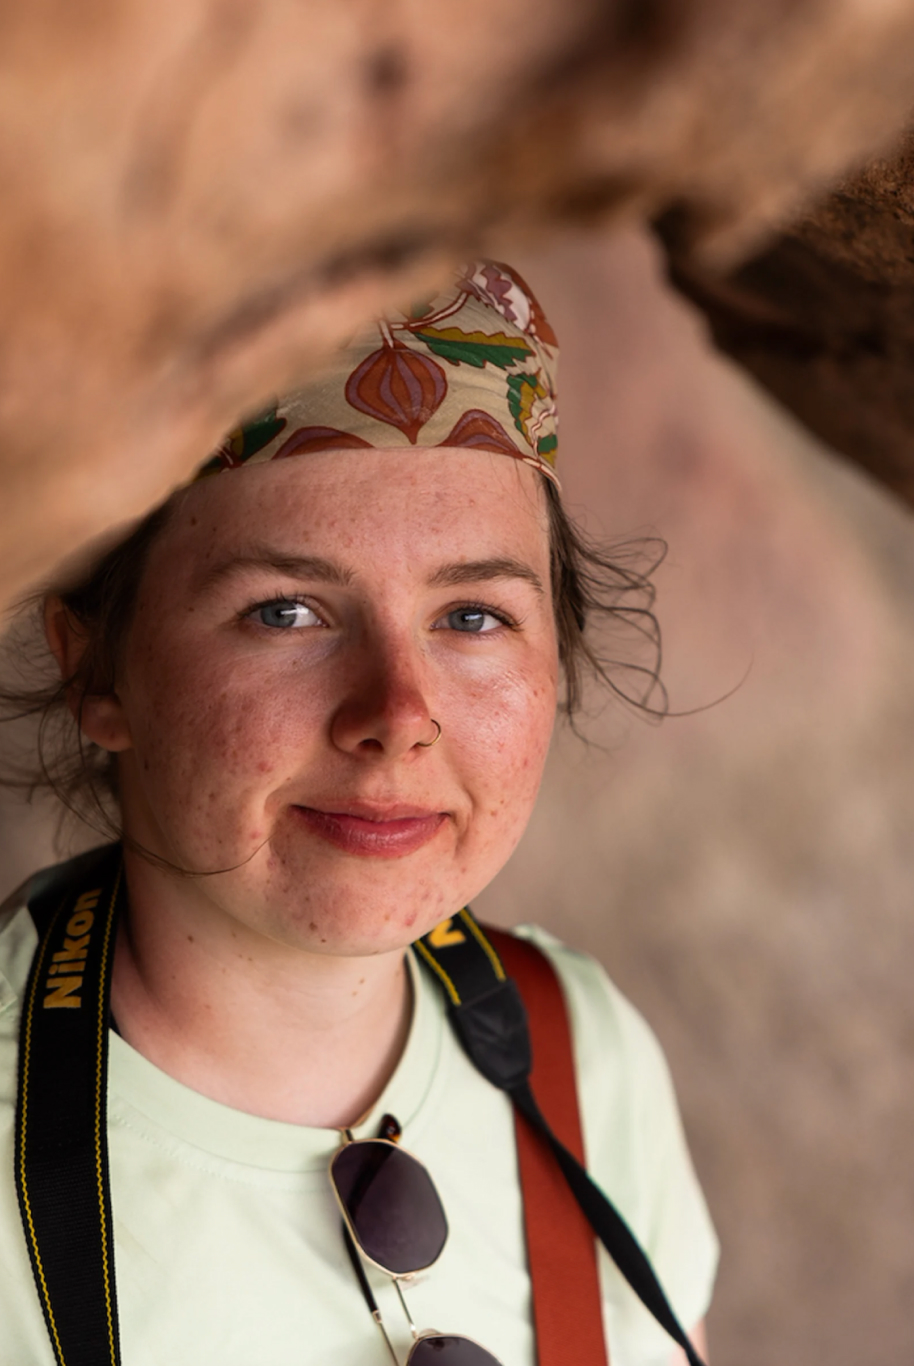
x: 285, y: 614
x: 472, y: 620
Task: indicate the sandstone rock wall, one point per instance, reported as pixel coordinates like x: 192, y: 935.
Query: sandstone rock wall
x: 823, y: 316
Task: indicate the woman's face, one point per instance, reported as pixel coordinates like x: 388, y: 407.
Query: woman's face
x: 298, y: 626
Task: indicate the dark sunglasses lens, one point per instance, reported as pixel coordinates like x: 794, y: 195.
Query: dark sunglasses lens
x: 445, y: 1350
x: 392, y: 1206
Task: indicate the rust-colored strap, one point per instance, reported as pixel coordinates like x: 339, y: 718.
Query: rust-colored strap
x: 561, y: 1248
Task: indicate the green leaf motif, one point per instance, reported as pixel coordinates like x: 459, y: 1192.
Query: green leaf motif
x: 259, y: 432
x: 462, y: 350
x: 516, y: 386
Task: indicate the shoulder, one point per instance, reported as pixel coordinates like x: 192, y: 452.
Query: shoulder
x: 629, y: 1109
x: 612, y: 1040
x: 634, y: 1138
x: 34, y: 902
x: 18, y: 939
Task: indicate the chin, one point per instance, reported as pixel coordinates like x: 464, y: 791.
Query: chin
x: 363, y: 932
x: 356, y: 908
x: 323, y: 900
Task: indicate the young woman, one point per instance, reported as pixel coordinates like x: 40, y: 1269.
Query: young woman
x: 320, y: 684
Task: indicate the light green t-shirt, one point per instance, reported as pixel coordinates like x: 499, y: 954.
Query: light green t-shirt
x: 228, y: 1245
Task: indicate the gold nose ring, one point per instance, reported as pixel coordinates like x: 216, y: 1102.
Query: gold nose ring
x: 427, y: 744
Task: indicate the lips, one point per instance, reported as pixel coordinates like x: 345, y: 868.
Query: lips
x: 373, y: 832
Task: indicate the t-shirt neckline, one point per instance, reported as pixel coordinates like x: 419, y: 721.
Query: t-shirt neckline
x: 180, y: 1113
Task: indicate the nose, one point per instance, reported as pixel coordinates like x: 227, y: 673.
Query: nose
x: 385, y: 709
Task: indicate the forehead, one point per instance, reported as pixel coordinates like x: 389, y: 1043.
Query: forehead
x: 391, y: 509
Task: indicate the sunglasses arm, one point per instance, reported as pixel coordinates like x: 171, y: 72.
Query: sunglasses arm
x: 409, y: 1318
x: 362, y: 1279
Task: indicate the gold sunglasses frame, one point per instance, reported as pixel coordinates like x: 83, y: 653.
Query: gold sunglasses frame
x: 389, y: 1143
x: 356, y: 1250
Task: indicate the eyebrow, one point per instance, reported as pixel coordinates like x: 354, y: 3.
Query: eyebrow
x: 316, y: 568
x: 312, y: 567
x: 479, y: 571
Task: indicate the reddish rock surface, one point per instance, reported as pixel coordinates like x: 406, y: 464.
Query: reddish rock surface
x: 824, y: 317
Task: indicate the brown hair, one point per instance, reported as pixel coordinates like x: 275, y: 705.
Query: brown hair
x: 594, y: 586
x: 590, y: 584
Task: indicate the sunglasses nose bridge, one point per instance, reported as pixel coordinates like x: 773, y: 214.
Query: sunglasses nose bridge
x: 417, y: 1336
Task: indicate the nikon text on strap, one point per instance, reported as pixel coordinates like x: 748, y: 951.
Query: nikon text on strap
x: 61, y: 1123
x: 488, y: 1013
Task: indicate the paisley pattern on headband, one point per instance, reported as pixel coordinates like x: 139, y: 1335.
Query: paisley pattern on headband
x: 474, y: 367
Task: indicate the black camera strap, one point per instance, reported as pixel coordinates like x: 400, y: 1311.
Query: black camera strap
x: 488, y: 1014
x: 61, y: 1125
x: 61, y: 1121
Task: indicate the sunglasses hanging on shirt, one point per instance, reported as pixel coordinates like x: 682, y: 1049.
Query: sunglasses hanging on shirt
x: 393, y: 1217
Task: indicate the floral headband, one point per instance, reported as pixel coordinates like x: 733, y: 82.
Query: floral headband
x: 473, y: 367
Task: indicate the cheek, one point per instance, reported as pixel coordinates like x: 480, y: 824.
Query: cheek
x: 504, y: 739
x: 209, y: 731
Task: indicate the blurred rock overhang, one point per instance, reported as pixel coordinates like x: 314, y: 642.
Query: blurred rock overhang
x: 824, y: 315
x: 202, y: 197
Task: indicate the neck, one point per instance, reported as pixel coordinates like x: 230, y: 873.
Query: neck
x: 278, y: 1032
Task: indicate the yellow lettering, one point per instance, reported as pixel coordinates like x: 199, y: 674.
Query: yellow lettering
x: 443, y: 937
x: 61, y: 993
x: 73, y: 948
x: 65, y: 974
